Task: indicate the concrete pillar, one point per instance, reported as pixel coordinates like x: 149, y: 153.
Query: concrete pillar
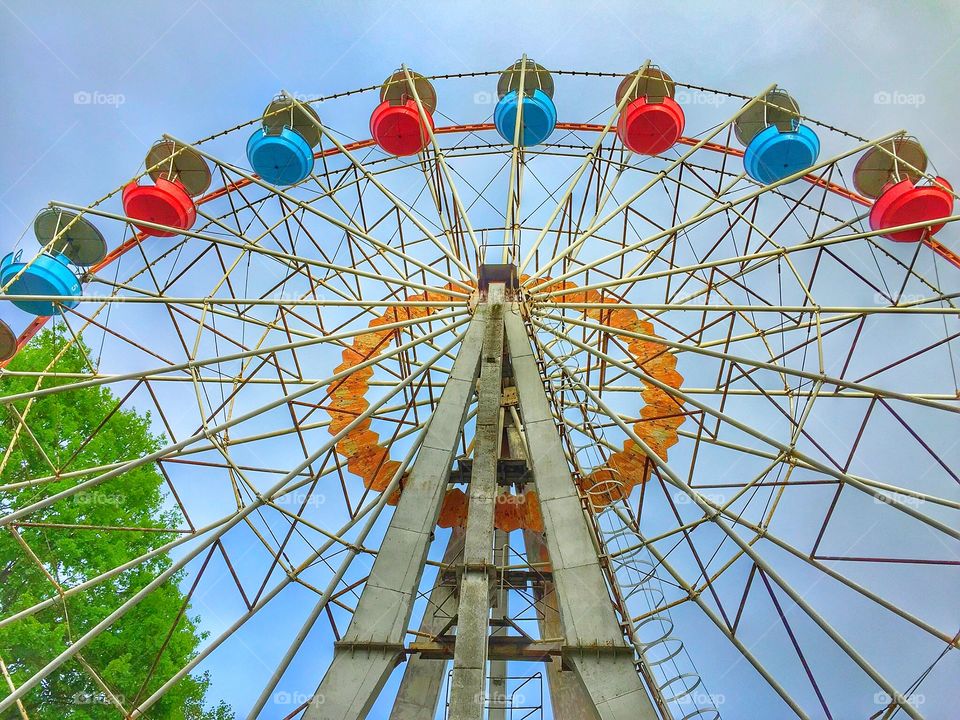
x: 374, y: 641
x: 594, y: 645
x: 422, y: 681
x: 469, y: 680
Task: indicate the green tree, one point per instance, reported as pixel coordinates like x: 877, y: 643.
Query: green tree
x: 71, y: 431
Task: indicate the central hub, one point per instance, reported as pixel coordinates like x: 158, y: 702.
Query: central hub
x: 491, y: 273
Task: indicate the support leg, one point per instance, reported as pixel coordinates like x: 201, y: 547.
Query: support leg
x: 568, y: 698
x: 468, y: 684
x: 423, y: 677
x: 373, y: 643
x: 594, y: 644
x: 497, y: 687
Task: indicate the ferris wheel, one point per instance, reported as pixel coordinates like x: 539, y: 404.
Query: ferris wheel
x: 604, y: 395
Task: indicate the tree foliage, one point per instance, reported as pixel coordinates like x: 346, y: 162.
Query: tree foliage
x: 69, y: 432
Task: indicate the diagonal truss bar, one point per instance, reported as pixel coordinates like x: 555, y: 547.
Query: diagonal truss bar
x: 247, y: 245
x: 345, y: 226
x: 441, y: 160
x: 197, y: 437
x: 638, y: 272
x: 218, y: 359
x: 711, y: 510
x: 593, y: 642
x: 683, y: 398
x: 587, y: 160
x: 375, y: 507
x: 219, y: 529
x: 598, y: 224
x: 397, y: 202
x: 869, y: 390
x: 704, y: 214
x: 374, y: 642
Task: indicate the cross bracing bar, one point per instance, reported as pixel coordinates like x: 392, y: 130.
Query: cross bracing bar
x: 821, y: 377
x: 714, y: 513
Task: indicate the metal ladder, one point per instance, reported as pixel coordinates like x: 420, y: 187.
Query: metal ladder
x: 632, y: 570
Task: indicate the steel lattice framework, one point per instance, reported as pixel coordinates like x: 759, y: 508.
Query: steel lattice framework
x: 774, y: 553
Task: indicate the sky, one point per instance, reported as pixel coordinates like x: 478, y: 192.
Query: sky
x: 191, y: 67
x: 90, y: 85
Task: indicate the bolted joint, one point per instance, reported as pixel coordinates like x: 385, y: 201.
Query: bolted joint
x: 480, y: 568
x: 372, y: 647
x: 593, y: 651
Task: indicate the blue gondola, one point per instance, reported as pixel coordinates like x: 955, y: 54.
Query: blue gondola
x: 539, y: 117
x: 47, y: 275
x: 774, y: 154
x: 283, y: 158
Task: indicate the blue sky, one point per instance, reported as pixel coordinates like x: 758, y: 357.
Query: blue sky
x: 192, y: 67
x: 90, y: 85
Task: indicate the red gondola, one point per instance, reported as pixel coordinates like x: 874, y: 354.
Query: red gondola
x: 904, y: 203
x: 652, y: 122
x: 164, y: 203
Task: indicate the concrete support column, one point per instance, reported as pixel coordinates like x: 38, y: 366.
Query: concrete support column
x: 594, y: 646
x: 469, y: 680
x: 422, y: 680
x: 374, y: 641
x: 497, y: 687
x: 568, y: 698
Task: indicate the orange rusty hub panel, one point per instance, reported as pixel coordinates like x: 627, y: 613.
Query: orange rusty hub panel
x: 660, y: 415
